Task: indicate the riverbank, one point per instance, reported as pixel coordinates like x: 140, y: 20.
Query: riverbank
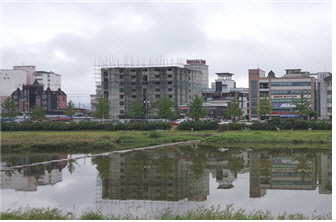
x: 96, y: 141
x: 272, y: 139
x: 200, y: 214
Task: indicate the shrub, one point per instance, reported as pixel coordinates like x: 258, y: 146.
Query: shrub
x: 154, y: 134
x: 199, y: 125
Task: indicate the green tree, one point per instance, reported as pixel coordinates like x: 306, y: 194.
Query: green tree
x: 164, y: 107
x: 136, y: 110
x: 302, y: 105
x: 37, y: 113
x: 102, y: 108
x: 70, y: 109
x: 264, y: 106
x: 9, y: 108
x: 197, y: 110
x: 311, y: 113
x: 233, y: 110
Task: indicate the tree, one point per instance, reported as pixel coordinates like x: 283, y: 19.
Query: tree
x: 302, y: 105
x: 233, y: 110
x: 264, y: 106
x: 70, y: 112
x: 37, y: 113
x: 311, y: 113
x: 9, y: 108
x: 102, y: 108
x: 164, y: 107
x: 136, y: 110
x: 196, y: 108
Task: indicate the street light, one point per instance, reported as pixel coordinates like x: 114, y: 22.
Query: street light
x: 84, y: 108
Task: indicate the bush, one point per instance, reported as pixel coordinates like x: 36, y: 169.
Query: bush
x: 83, y: 125
x: 199, y: 125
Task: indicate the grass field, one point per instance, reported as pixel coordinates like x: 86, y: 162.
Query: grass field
x: 199, y: 214
x: 97, y: 141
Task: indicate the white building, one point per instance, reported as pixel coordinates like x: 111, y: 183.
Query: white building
x: 48, y: 79
x: 30, y: 69
x: 11, y: 80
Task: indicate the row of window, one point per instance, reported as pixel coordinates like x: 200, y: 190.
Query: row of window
x: 329, y: 83
x: 291, y: 83
x: 329, y: 100
x: 285, y: 100
x: 145, y: 70
x: 145, y: 83
x: 329, y: 92
x: 290, y: 92
x: 156, y: 90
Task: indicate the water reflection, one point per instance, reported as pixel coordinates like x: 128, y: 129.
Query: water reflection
x: 182, y: 178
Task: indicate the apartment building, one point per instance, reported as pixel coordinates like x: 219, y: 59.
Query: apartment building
x: 11, y: 80
x: 200, y: 65
x: 146, y: 85
x: 48, y: 79
x: 281, y: 91
x: 323, y: 94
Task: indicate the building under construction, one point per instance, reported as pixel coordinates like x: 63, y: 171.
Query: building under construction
x: 122, y: 85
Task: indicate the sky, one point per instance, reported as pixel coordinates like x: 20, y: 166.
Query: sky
x: 71, y: 37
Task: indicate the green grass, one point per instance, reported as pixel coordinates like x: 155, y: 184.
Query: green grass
x: 95, y: 141
x: 280, y: 139
x: 200, y: 214
x: 86, y: 141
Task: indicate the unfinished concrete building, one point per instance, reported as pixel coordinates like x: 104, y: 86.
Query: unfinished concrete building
x: 147, y: 84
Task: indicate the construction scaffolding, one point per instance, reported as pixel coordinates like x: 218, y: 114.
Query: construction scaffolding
x: 146, y: 83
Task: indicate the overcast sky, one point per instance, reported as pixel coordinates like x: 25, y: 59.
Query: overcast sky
x: 68, y: 37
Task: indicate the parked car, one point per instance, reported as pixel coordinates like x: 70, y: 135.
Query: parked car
x: 174, y: 123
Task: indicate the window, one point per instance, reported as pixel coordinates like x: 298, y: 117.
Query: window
x: 121, y: 83
x: 170, y: 82
x: 121, y: 103
x: 170, y: 76
x: 157, y: 76
x: 171, y: 89
x: 329, y: 83
x: 133, y: 83
x: 169, y: 69
x: 157, y: 83
x: 121, y: 77
x: 133, y: 96
x: 133, y: 90
x: 157, y: 96
x: 122, y: 111
x: 329, y: 92
x: 121, y: 96
x: 121, y: 90
x: 132, y: 77
x: 132, y: 70
x: 329, y: 100
x: 291, y: 84
x: 144, y: 83
x: 170, y: 96
x: 121, y: 70
x: 157, y: 89
x: 144, y: 70
x: 145, y: 78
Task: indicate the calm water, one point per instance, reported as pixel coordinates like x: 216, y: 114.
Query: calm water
x: 173, y: 179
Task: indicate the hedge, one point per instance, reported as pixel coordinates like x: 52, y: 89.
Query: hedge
x: 283, y: 124
x: 83, y: 125
x: 199, y: 125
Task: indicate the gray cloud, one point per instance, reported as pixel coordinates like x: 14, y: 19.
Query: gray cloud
x: 68, y: 37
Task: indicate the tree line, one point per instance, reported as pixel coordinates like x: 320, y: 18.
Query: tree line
x: 164, y: 108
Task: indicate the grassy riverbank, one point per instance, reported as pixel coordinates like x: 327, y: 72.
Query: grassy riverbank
x: 85, y: 141
x: 102, y: 141
x: 267, y: 139
x: 202, y: 214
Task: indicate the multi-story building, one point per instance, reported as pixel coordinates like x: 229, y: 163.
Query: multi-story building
x: 30, y: 69
x: 281, y: 91
x: 48, y: 79
x: 34, y: 94
x: 11, y: 80
x: 323, y: 94
x: 146, y: 85
x: 200, y: 65
x: 222, y: 91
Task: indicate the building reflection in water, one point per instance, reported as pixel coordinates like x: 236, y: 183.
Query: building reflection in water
x: 30, y: 177
x: 294, y: 171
